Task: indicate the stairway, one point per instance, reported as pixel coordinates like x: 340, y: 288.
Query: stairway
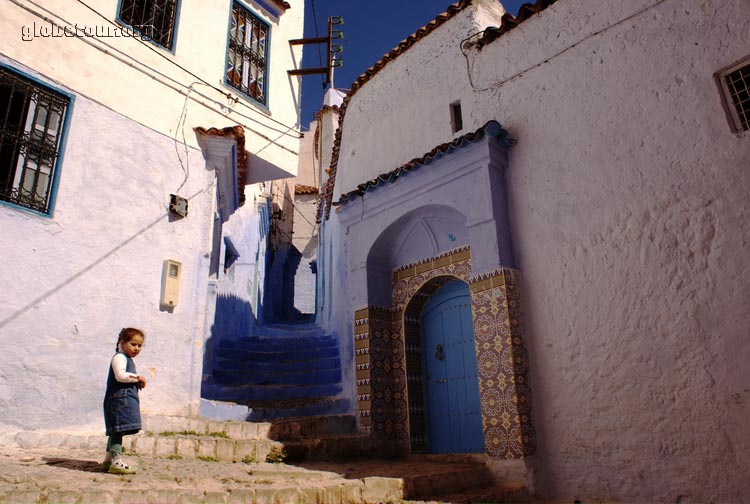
x: 282, y: 371
x: 199, y: 460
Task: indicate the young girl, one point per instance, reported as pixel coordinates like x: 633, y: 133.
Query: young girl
x: 122, y: 413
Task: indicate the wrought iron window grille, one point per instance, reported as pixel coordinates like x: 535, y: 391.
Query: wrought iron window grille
x: 734, y: 82
x: 31, y: 122
x: 154, y: 19
x: 247, y: 54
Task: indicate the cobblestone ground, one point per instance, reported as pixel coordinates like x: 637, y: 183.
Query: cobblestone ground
x: 75, y: 476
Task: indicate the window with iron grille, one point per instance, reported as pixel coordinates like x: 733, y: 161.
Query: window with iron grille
x: 31, y: 124
x: 735, y: 84
x: 247, y: 55
x: 154, y: 19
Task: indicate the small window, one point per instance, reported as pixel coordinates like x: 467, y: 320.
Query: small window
x: 31, y: 127
x: 457, y: 122
x: 735, y: 85
x: 154, y: 19
x: 247, y: 54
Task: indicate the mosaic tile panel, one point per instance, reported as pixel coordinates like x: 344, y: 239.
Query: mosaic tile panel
x: 362, y: 363
x: 388, y: 414
x: 503, y: 365
x: 415, y: 384
x: 389, y: 375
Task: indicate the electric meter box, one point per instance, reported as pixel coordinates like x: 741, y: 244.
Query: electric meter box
x: 170, y: 283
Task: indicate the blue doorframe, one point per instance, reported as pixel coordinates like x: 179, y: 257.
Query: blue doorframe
x: 452, y: 403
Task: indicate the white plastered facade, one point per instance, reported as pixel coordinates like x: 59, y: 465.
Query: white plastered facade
x: 627, y: 196
x: 76, y: 277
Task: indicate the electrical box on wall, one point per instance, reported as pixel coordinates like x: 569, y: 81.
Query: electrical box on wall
x: 170, y: 283
x: 178, y: 206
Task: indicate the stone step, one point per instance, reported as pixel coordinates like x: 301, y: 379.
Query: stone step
x: 236, y: 430
x: 282, y: 341
x: 281, y: 330
x: 288, y: 354
x: 254, y: 376
x: 304, y: 427
x: 229, y: 364
x: 282, y: 429
x: 184, y: 445
x: 210, y: 448
x: 265, y: 412
x: 281, y: 370
x: 491, y: 493
x: 340, y: 447
x: 70, y: 476
x: 77, y: 478
x: 195, y: 438
x: 270, y: 396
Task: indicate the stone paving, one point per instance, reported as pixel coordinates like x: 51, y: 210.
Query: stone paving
x: 74, y: 476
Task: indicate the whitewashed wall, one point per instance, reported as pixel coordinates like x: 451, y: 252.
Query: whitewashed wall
x: 74, y: 279
x: 72, y: 282
x: 145, y: 82
x: 628, y: 212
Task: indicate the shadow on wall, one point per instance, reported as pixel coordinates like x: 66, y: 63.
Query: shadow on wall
x: 279, y: 292
x: 233, y: 319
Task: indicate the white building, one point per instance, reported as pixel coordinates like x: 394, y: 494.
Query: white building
x: 107, y: 111
x: 579, y: 176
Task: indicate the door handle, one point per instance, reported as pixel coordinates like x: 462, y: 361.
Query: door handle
x: 439, y: 352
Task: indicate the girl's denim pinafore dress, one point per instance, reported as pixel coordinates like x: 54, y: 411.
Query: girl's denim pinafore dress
x: 122, y: 411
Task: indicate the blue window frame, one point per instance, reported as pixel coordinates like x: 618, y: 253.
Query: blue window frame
x: 32, y: 125
x: 154, y: 19
x: 247, y: 54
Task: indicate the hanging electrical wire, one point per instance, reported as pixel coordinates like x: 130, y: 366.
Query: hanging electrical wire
x: 160, y: 77
x: 160, y: 53
x: 315, y: 22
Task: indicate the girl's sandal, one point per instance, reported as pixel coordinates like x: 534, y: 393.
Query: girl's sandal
x: 120, y: 467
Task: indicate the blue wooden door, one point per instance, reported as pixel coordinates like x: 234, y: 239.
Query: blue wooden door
x: 454, y: 414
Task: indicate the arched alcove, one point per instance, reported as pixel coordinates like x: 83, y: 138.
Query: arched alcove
x: 424, y: 232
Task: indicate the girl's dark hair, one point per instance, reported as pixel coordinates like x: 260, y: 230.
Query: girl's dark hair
x: 127, y: 334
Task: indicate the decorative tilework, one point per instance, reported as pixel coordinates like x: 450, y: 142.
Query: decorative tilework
x: 503, y: 365
x: 388, y: 357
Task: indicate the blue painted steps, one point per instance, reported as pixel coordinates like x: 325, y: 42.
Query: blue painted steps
x: 286, y: 370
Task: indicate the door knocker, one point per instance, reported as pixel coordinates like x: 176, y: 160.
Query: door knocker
x: 439, y: 352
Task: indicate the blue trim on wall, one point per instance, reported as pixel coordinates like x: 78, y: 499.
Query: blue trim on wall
x: 235, y: 193
x: 273, y: 11
x: 172, y: 50
x: 266, y: 86
x: 61, y: 149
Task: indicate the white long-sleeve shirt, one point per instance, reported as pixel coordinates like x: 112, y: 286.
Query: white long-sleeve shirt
x: 119, y: 366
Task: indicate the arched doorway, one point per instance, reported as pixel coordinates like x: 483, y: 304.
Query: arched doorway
x: 452, y: 404
x: 445, y: 413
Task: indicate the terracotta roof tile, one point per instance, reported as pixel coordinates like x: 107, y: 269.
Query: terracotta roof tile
x: 509, y: 22
x: 409, y: 41
x: 305, y: 189
x: 491, y: 129
x: 281, y: 3
x: 239, y: 135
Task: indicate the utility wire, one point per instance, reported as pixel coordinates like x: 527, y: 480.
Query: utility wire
x: 150, y: 47
x: 161, y: 55
x: 546, y: 60
x: 320, y: 56
x: 114, y: 53
x: 294, y: 207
